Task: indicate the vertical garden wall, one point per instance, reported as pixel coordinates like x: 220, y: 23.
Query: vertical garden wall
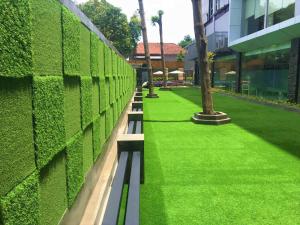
x: 62, y: 90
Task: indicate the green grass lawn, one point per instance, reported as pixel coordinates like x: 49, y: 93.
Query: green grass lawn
x: 246, y: 172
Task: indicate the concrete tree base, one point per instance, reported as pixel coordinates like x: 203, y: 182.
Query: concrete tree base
x: 219, y: 118
x: 152, y: 96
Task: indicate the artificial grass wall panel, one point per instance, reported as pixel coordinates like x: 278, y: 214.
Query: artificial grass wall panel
x: 112, y: 90
x: 87, y: 149
x: 96, y: 99
x: 107, y: 124
x: 46, y: 37
x: 115, y: 113
x: 102, y: 94
x: 16, y: 132
x: 74, y: 167
x: 71, y: 43
x: 21, y: 204
x: 102, y: 130
x: 107, y: 93
x: 95, y: 55
x: 72, y: 106
x: 48, y: 103
x: 96, y: 138
x: 53, y: 193
x: 15, y: 39
x: 117, y: 87
x: 85, y: 51
x: 101, y: 59
x: 86, y: 101
x: 108, y: 61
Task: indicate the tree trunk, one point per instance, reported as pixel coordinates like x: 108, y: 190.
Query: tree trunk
x: 201, y: 42
x: 146, y: 47
x: 163, y: 62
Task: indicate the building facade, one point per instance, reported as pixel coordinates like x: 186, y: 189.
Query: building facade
x: 171, y: 59
x: 215, y: 15
x: 266, y: 35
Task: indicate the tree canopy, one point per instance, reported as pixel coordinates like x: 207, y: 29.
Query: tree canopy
x: 187, y: 40
x: 110, y: 20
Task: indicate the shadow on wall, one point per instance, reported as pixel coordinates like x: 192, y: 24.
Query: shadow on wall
x: 275, y: 126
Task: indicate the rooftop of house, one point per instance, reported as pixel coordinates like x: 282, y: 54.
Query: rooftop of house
x: 154, y: 48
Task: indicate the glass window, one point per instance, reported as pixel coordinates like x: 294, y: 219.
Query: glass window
x: 225, y: 73
x: 280, y: 10
x: 265, y: 73
x: 254, y: 13
x: 221, y: 3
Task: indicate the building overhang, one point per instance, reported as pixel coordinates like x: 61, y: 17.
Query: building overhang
x: 277, y: 34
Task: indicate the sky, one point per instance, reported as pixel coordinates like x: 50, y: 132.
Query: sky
x: 177, y: 20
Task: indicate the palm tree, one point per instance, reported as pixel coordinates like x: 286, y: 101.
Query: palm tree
x: 158, y: 20
x: 151, y: 93
x: 208, y: 116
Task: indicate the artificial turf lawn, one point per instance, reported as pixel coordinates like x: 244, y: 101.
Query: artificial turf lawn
x: 246, y: 172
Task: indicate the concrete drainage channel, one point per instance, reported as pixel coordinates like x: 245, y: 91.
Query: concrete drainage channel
x: 130, y: 168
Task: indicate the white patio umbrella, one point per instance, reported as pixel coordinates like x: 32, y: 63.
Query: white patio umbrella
x: 231, y: 73
x: 158, y: 73
x: 176, y: 72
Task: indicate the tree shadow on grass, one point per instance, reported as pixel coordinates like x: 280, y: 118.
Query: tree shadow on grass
x: 276, y: 126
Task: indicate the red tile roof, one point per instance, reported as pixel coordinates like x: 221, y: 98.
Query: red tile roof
x: 154, y: 48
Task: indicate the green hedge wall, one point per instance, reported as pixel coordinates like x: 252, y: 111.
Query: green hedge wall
x: 62, y: 91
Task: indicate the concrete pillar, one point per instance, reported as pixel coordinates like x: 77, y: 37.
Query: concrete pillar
x: 238, y: 72
x: 294, y: 72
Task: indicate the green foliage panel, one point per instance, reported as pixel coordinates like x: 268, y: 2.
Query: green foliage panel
x: 21, y: 204
x: 102, y: 130
x: 74, y: 167
x: 117, y: 89
x: 15, y: 41
x: 85, y: 51
x: 115, y: 114
x: 71, y: 43
x: 16, y: 132
x: 107, y: 61
x: 88, y: 149
x: 86, y: 101
x: 53, y: 193
x: 46, y: 37
x: 107, y: 93
x: 113, y: 89
x: 96, y: 99
x: 95, y: 55
x: 96, y: 138
x: 101, y: 59
x: 107, y: 124
x: 48, y: 102
x: 72, y: 106
x: 102, y: 95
